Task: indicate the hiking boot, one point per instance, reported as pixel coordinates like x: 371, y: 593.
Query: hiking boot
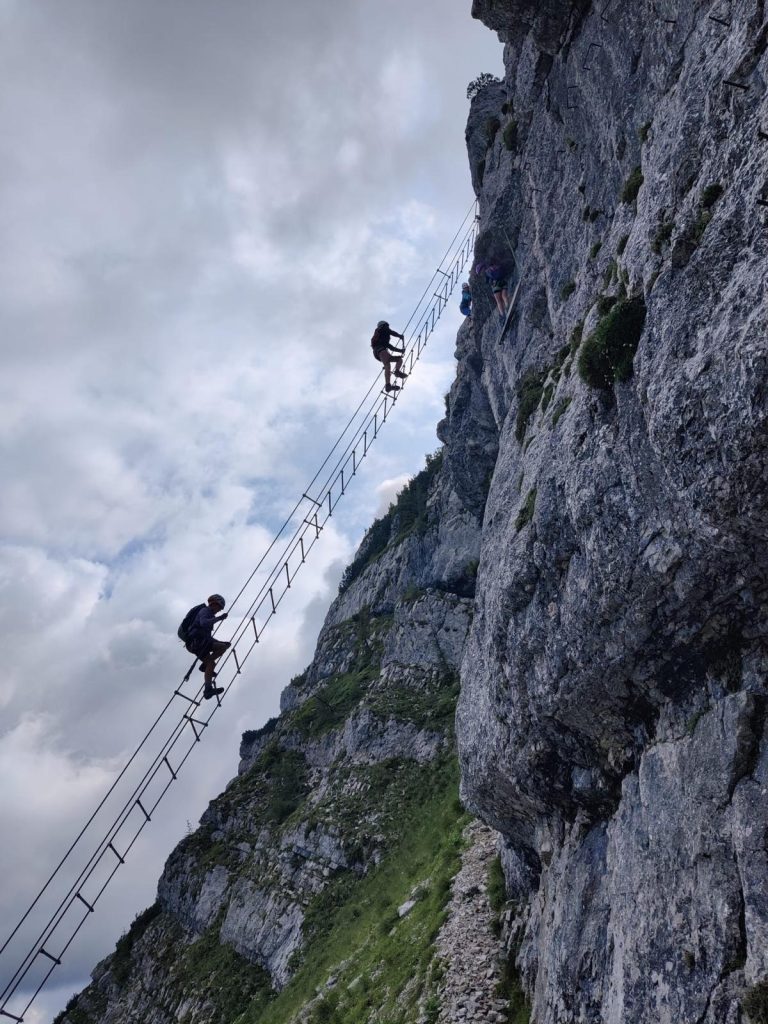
x: 392, y: 387
x: 399, y: 373
x: 212, y: 691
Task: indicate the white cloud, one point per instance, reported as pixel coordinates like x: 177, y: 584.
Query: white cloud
x: 56, y: 784
x: 388, y: 490
x: 404, y: 85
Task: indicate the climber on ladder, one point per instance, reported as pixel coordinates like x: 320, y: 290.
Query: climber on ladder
x: 382, y: 351
x: 196, y: 630
x: 496, y: 274
x: 465, y: 306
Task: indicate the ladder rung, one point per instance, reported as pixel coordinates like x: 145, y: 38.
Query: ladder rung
x: 191, y: 700
x: 44, y: 952
x: 194, y: 723
x: 111, y: 847
x: 84, y: 902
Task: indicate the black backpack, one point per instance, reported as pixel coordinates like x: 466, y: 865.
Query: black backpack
x: 380, y: 337
x: 183, y: 631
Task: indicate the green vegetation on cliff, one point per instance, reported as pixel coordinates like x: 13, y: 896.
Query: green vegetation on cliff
x: 407, y: 515
x: 221, y: 978
x: 432, y: 707
x: 378, y: 960
x: 199, y: 975
x: 607, y: 355
x: 121, y: 959
x: 333, y: 702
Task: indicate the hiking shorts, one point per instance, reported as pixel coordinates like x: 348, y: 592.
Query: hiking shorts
x: 206, y: 648
x: 377, y: 352
x: 498, y: 286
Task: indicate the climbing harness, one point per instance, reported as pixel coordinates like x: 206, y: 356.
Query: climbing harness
x: 69, y: 897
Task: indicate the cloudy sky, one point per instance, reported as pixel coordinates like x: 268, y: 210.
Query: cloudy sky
x: 205, y: 208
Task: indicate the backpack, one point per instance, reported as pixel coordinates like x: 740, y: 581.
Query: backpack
x: 184, y: 630
x: 380, y: 337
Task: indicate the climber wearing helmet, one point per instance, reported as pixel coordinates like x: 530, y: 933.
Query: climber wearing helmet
x: 200, y: 642
x: 465, y: 306
x: 382, y: 349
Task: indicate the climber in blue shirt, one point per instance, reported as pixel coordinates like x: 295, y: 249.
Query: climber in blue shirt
x: 465, y: 306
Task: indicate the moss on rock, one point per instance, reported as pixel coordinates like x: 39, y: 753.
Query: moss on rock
x: 608, y: 353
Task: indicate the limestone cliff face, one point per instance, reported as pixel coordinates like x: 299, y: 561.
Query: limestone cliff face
x: 611, y: 720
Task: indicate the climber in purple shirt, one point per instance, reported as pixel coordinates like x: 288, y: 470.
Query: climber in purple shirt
x: 496, y: 274
x: 201, y: 642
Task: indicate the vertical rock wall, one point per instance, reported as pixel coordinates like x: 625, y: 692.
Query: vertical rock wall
x: 611, y: 720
